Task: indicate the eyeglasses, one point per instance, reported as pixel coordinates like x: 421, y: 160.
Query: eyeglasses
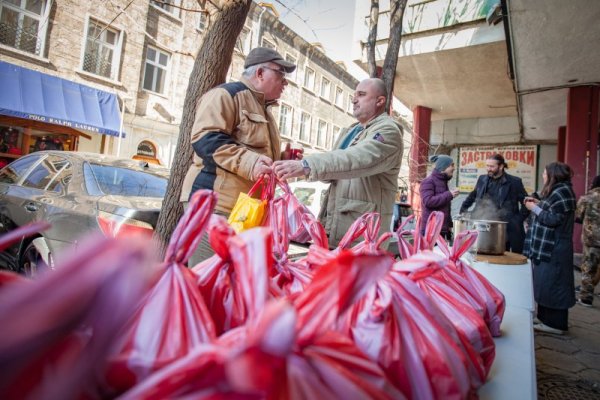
x: 281, y: 72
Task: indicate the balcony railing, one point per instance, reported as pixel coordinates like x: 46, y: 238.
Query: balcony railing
x: 19, y: 38
x: 94, y: 62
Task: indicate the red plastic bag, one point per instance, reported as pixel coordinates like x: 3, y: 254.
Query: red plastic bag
x: 398, y: 326
x: 490, y: 299
x: 59, y: 329
x: 285, y: 352
x: 367, y: 226
x: 225, y: 279
x: 295, y: 211
x: 173, y: 318
x: 215, y: 276
x: 288, y: 277
x: 427, y: 270
x: 315, y: 230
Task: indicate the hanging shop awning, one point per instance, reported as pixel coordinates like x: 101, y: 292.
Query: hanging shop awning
x: 45, y: 98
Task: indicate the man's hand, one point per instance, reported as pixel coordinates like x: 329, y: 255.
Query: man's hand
x: 262, y: 167
x: 288, y: 169
x: 455, y: 192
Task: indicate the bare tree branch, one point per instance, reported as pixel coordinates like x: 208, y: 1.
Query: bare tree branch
x: 372, y: 39
x: 391, y: 56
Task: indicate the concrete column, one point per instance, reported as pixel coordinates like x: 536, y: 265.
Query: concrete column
x: 419, y: 153
x: 562, y: 139
x: 581, y: 142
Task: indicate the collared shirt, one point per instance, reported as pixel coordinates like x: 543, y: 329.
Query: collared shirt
x: 351, y: 135
x: 492, y: 190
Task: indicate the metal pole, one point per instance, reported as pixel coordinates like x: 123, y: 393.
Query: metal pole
x: 121, y: 129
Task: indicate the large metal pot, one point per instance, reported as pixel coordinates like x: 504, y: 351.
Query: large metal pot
x: 491, y: 237
x: 460, y: 224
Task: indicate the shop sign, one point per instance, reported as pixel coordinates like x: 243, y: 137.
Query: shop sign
x: 521, y: 160
x: 146, y: 149
x: 63, y: 122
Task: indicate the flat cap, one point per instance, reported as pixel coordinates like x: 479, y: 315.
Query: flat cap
x: 261, y: 55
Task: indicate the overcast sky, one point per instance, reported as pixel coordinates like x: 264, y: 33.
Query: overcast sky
x: 326, y: 21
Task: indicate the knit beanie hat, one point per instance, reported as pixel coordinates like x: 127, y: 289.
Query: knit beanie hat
x: 441, y: 161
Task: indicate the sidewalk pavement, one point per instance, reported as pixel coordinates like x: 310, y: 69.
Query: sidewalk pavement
x: 568, y: 367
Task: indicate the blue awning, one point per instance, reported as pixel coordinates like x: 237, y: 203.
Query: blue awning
x: 29, y: 94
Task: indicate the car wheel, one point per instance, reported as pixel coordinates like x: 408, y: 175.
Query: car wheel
x: 32, y: 263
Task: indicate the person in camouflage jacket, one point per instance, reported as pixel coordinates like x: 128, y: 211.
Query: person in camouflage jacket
x: 588, y: 212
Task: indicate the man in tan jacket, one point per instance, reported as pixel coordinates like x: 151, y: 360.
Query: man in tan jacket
x: 363, y: 166
x: 235, y: 136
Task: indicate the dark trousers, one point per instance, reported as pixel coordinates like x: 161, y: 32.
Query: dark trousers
x: 554, y: 318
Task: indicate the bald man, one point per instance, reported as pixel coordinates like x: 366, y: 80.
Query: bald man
x: 362, y: 167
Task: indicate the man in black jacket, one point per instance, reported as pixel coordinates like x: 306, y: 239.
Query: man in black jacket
x: 499, y: 196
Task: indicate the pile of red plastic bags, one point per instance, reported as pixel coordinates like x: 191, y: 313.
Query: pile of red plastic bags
x: 250, y: 322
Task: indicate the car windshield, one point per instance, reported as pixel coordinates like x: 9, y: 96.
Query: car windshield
x: 305, y: 195
x: 127, y: 182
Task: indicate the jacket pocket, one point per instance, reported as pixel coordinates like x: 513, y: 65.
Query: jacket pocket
x: 356, y: 206
x: 348, y: 212
x: 253, y: 130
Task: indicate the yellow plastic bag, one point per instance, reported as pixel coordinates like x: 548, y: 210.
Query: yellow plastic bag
x: 247, y: 213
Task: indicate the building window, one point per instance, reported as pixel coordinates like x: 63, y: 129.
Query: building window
x: 309, y: 78
x: 335, y: 134
x: 202, y: 20
x: 339, y: 97
x: 155, y: 71
x: 325, y: 88
x: 269, y: 44
x: 23, y: 24
x: 285, y: 120
x: 322, y: 134
x: 293, y: 76
x: 170, y: 6
x: 244, y: 40
x: 304, y: 131
x: 102, y: 50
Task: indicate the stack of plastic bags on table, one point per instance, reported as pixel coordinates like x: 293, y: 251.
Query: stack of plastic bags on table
x: 251, y: 322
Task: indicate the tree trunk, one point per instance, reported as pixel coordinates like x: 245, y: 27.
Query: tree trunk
x: 391, y: 56
x: 210, y: 68
x: 372, y: 39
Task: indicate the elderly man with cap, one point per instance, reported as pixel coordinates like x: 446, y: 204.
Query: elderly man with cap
x: 435, y: 195
x: 235, y: 136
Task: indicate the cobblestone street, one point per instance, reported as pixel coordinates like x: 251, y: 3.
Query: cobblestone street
x: 568, y: 367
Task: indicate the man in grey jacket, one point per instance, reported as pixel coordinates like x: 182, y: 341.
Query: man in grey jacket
x: 362, y: 167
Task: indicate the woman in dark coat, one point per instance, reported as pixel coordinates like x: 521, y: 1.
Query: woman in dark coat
x: 549, y: 245
x: 435, y: 195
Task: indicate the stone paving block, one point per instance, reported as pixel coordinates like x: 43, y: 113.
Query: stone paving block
x: 587, y: 341
x: 590, y: 375
x: 558, y: 360
x: 589, y: 360
x: 585, y: 314
x: 560, y: 344
x: 548, y: 370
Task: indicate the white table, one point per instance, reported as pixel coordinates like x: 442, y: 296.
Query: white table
x: 512, y: 376
x: 513, y: 373
x: 515, y: 281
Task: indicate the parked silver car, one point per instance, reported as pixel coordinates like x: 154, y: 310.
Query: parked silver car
x: 76, y: 193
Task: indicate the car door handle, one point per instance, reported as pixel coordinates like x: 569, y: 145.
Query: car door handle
x: 31, y: 207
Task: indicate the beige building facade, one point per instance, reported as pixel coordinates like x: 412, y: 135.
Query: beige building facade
x: 143, y: 51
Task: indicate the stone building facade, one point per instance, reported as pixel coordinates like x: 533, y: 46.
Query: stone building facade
x: 143, y: 52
